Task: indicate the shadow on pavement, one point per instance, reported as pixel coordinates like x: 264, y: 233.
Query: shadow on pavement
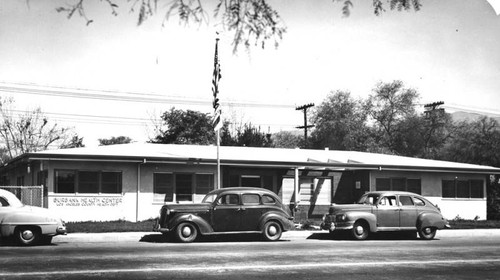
x: 373, y: 236
x: 160, y: 238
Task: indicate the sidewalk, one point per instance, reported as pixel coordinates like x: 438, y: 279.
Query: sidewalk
x: 289, y: 235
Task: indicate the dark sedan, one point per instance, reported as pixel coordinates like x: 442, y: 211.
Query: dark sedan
x: 226, y: 211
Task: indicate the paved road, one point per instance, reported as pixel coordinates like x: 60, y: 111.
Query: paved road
x: 300, y: 255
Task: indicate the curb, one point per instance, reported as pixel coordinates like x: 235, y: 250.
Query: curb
x: 113, y: 237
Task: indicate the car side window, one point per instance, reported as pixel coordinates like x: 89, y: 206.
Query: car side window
x: 405, y: 200
x: 251, y: 199
x: 266, y: 199
x: 228, y: 199
x: 418, y: 201
x: 388, y: 201
x: 3, y: 202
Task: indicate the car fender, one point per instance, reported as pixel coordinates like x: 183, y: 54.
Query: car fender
x: 201, y: 223
x: 278, y: 216
x: 370, y: 218
x: 47, y: 224
x: 429, y: 219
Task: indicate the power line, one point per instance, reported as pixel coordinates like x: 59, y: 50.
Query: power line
x: 123, y: 96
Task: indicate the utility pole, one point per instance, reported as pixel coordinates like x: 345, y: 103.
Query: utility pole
x: 432, y: 108
x: 305, y: 126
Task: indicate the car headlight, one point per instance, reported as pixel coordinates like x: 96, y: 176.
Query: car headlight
x: 341, y: 218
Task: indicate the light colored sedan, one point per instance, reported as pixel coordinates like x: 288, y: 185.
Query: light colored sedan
x: 29, y: 225
x: 386, y: 211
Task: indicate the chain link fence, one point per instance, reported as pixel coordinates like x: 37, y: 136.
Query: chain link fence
x: 29, y: 195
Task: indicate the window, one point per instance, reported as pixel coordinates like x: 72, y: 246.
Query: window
x: 20, y: 181
x: 250, y: 181
x: 251, y: 199
x: 462, y: 188
x: 111, y: 182
x: 88, y: 182
x: 73, y: 181
x: 65, y: 181
x: 204, y: 183
x: 184, y: 187
x: 229, y: 199
x: 418, y: 201
x: 3, y: 202
x: 163, y: 187
x: 171, y: 187
x: 388, y: 201
x: 405, y: 200
x: 383, y: 184
x: 266, y: 199
x: 398, y: 184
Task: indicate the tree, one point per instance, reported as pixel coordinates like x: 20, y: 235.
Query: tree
x: 252, y: 22
x: 476, y: 142
x: 340, y: 123
x: 74, y: 142
x: 389, y: 107
x: 115, y: 140
x: 29, y: 131
x: 251, y: 136
x: 286, y: 139
x: 185, y: 127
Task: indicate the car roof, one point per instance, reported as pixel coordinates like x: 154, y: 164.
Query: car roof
x: 393, y: 193
x: 243, y: 189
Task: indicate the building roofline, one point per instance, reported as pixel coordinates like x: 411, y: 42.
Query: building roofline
x: 270, y: 164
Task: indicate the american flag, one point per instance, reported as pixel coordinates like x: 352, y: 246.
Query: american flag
x: 215, y: 89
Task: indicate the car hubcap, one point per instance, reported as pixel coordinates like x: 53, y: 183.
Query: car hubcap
x: 27, y: 234
x: 186, y: 231
x: 272, y: 230
x: 427, y: 230
x: 359, y: 230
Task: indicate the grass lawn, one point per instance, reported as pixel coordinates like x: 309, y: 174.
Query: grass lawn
x: 145, y: 226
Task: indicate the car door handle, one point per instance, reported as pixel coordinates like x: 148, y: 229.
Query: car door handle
x: 241, y: 209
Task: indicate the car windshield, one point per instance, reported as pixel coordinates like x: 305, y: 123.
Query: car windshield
x: 209, y: 198
x: 370, y: 199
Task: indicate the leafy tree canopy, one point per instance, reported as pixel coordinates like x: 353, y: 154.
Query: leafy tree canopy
x: 185, y: 127
x: 340, y: 123
x: 115, y: 140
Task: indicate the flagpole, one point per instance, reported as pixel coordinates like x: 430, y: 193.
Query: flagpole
x: 217, y: 111
x: 218, y: 158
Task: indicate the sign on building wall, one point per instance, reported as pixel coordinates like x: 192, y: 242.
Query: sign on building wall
x: 87, y: 201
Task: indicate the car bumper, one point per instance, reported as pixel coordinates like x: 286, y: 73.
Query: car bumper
x: 61, y: 230
x: 157, y: 227
x: 332, y: 226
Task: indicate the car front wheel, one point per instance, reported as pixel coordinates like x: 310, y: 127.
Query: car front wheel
x: 427, y: 233
x: 27, y: 236
x: 360, y: 230
x: 272, y: 231
x: 186, y: 232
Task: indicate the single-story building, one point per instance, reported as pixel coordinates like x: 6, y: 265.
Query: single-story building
x: 132, y: 181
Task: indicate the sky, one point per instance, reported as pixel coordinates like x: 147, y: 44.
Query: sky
x: 112, y: 77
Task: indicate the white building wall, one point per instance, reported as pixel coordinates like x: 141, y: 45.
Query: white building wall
x: 468, y: 209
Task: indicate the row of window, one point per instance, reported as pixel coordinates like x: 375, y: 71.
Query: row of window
x: 170, y: 187
x: 463, y: 188
x: 450, y: 188
x: 75, y: 181
x: 398, y: 184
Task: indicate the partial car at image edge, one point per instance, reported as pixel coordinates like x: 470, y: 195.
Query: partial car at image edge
x: 28, y: 225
